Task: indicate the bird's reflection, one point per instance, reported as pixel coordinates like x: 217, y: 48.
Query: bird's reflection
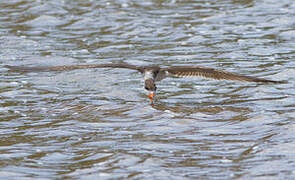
x: 192, y: 108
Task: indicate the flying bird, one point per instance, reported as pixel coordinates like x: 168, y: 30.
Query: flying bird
x: 151, y: 74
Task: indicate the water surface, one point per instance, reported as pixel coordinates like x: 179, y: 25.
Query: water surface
x: 99, y: 124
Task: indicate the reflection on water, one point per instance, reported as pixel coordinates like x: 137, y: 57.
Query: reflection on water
x: 99, y: 123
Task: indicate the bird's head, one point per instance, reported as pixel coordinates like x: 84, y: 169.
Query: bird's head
x: 150, y: 85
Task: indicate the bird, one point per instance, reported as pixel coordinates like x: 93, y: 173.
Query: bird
x: 154, y: 73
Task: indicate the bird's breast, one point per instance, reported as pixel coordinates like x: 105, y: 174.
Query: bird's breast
x: 148, y: 75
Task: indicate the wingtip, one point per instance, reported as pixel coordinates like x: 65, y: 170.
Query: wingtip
x: 281, y: 82
x: 14, y: 68
x: 10, y: 67
x: 272, y: 81
x: 7, y: 66
x: 24, y: 69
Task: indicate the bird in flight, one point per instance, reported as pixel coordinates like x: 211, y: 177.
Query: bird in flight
x: 151, y: 74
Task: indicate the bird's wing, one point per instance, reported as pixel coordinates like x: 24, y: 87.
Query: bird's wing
x: 67, y: 68
x: 194, y: 71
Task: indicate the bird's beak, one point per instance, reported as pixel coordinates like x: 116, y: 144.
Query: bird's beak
x: 151, y: 95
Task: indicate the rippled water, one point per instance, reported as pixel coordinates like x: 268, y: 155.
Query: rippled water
x: 99, y: 124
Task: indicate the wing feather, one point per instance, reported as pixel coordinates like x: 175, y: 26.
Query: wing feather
x: 67, y: 68
x: 184, y: 71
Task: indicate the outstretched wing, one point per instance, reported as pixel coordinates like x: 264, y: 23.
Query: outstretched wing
x: 191, y: 71
x: 67, y: 68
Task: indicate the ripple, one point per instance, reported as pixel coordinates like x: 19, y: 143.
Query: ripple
x: 98, y: 123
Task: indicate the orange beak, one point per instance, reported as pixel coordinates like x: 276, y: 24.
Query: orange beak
x: 151, y: 95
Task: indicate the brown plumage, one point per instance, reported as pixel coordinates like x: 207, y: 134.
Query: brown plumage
x: 194, y: 71
x: 67, y: 68
x: 155, y: 73
x: 149, y: 84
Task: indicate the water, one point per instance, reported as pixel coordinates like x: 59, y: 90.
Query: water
x: 99, y: 124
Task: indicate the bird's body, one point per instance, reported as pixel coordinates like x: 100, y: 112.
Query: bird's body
x: 151, y: 74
